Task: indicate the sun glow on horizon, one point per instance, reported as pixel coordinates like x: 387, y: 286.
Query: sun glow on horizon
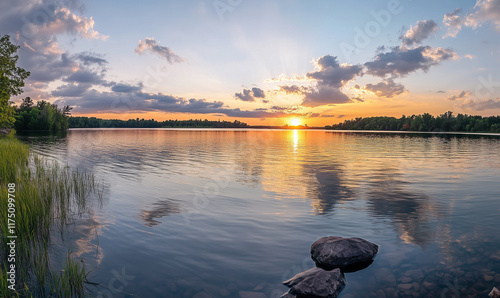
x: 295, y: 122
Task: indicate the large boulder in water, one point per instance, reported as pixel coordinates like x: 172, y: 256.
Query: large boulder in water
x: 316, y: 282
x: 338, y: 252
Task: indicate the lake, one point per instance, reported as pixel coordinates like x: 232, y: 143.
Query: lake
x: 233, y: 213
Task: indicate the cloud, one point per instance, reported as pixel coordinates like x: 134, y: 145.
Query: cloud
x: 36, y: 26
x: 481, y: 105
x: 293, y: 89
x: 328, y: 77
x: 485, y: 11
x: 325, y: 95
x: 83, y: 75
x: 250, y: 95
x: 454, y: 23
x: 150, y: 44
x: 462, y: 94
x: 387, y: 88
x: 71, y: 90
x: 129, y: 98
x: 422, y: 30
x: 330, y: 73
x: 401, y: 61
x: 89, y: 58
x: 126, y: 88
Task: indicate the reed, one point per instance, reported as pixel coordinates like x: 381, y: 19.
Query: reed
x: 48, y: 197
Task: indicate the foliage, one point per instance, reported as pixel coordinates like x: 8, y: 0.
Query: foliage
x: 47, y: 198
x: 44, y: 116
x: 11, y: 80
x: 92, y: 122
x: 426, y: 123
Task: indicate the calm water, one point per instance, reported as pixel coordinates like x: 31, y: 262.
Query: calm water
x: 204, y: 213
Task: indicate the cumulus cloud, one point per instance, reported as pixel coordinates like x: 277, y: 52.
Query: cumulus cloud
x: 293, y: 89
x: 401, y: 61
x: 461, y: 95
x: 485, y: 11
x: 330, y: 73
x: 481, y: 105
x: 250, y: 94
x: 416, y: 34
x: 325, y: 95
x: 329, y: 76
x: 150, y: 44
x: 454, y: 22
x: 387, y: 88
x: 35, y: 26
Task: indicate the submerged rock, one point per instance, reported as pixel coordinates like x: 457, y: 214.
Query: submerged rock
x: 338, y: 252
x: 495, y: 293
x: 316, y: 282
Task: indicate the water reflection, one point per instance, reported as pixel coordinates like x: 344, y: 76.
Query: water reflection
x: 429, y: 201
x: 160, y: 209
x: 409, y: 210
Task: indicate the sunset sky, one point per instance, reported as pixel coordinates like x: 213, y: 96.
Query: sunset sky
x: 263, y: 62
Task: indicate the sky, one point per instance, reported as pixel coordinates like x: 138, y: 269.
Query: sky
x: 263, y: 62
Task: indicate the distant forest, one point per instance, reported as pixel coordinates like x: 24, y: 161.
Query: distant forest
x: 425, y: 122
x: 93, y: 122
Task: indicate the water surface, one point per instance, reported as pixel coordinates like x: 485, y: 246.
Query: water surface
x: 220, y: 213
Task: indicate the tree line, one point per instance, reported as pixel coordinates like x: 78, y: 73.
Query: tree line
x: 93, y: 122
x: 426, y: 122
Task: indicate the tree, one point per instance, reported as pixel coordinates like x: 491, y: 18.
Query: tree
x: 11, y: 80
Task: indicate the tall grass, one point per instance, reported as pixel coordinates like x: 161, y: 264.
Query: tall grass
x: 48, y: 196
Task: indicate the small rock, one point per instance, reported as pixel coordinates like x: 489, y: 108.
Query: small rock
x: 259, y: 287
x: 495, y: 293
x: 405, y: 280
x: 429, y: 286
x: 338, y: 252
x: 391, y: 292
x: 245, y: 294
x: 317, y: 282
x: 416, y: 274
x: 416, y: 286
x: 385, y: 276
x: 380, y: 294
x: 488, y: 278
x: 405, y: 286
x: 224, y: 292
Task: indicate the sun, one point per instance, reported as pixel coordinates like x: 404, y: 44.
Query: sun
x: 295, y: 122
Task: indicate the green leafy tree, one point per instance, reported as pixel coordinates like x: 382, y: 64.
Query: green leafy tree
x: 11, y: 80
